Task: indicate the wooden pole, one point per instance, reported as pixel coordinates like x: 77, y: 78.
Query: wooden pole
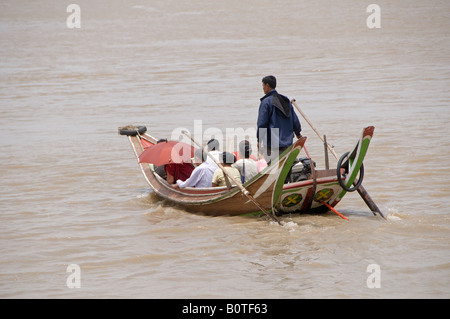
x: 368, y: 200
x: 327, y: 163
x: 314, y: 129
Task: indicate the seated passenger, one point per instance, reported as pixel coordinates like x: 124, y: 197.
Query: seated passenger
x: 213, y: 150
x: 202, y: 175
x: 176, y: 172
x: 161, y: 170
x: 261, y: 162
x: 218, y: 178
x: 246, y: 166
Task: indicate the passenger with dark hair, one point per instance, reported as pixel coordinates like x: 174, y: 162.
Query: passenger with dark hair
x: 213, y: 150
x: 161, y: 170
x: 227, y: 159
x: 213, y: 145
x: 246, y: 166
x: 202, y: 175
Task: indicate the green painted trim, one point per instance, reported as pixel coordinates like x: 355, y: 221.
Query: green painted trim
x: 356, y: 163
x: 277, y: 191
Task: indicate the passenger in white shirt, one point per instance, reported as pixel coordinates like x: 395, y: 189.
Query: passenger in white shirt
x: 213, y: 150
x: 246, y: 166
x: 202, y: 175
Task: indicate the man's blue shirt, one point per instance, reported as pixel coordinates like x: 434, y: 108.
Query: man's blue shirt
x: 277, y: 121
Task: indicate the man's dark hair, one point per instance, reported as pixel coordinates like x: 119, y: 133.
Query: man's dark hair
x: 199, y: 153
x: 271, y: 80
x: 228, y: 158
x: 245, y: 148
x: 213, y: 145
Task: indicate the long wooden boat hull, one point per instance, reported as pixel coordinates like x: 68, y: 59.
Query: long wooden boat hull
x: 268, y: 188
x: 218, y: 200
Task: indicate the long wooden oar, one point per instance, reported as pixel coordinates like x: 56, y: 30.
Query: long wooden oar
x: 238, y: 184
x: 361, y: 191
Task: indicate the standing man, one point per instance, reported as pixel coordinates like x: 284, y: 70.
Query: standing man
x: 277, y: 121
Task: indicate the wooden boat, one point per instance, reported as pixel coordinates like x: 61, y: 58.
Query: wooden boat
x: 319, y: 191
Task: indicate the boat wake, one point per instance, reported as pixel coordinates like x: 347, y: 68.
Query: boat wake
x: 290, y: 226
x: 393, y: 214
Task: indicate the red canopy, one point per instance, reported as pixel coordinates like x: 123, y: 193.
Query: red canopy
x: 167, y: 152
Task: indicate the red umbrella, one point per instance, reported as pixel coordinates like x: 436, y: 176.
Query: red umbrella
x: 168, y: 152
